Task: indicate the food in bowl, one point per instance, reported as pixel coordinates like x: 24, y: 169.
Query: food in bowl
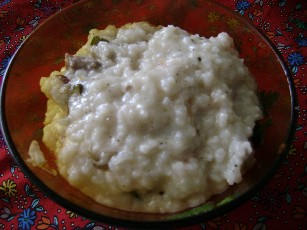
x: 150, y: 118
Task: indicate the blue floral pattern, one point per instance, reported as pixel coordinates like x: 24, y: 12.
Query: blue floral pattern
x: 301, y: 40
x: 26, y: 219
x: 242, y: 5
x: 296, y: 59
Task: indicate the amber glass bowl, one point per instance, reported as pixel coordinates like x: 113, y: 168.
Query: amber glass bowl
x: 23, y: 105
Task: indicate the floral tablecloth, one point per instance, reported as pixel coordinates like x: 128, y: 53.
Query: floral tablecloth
x: 281, y: 204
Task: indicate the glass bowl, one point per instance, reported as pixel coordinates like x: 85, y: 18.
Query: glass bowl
x: 23, y: 105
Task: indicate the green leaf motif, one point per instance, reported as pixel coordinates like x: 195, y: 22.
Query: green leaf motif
x: 35, y: 203
x: 39, y: 209
x: 55, y: 221
x: 262, y: 219
x: 299, y: 6
x: 288, y: 198
x: 294, y: 70
x: 300, y: 24
x: 260, y: 226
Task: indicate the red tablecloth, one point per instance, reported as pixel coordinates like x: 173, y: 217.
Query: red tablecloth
x: 281, y: 204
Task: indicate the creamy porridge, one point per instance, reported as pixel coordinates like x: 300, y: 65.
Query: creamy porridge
x: 151, y: 119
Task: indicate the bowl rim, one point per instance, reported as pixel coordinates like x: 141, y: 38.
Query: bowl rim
x: 187, y: 220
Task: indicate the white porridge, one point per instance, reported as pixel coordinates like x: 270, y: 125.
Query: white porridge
x: 151, y: 119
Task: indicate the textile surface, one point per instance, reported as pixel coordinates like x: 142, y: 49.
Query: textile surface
x: 281, y: 204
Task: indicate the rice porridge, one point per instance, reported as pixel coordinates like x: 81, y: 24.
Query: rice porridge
x: 151, y: 119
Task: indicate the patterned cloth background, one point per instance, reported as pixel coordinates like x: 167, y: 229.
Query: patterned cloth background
x: 281, y: 204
